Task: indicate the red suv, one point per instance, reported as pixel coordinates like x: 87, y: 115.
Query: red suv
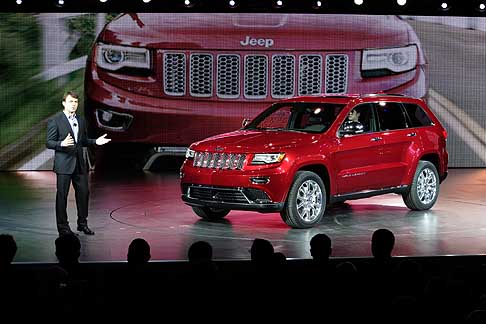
x: 163, y: 80
x: 304, y: 153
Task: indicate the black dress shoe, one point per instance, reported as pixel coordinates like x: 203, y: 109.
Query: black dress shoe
x: 85, y: 230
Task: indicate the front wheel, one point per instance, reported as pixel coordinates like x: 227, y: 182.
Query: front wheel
x: 210, y: 213
x: 306, y: 201
x: 424, y: 190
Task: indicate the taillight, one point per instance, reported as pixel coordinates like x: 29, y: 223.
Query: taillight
x: 444, y: 133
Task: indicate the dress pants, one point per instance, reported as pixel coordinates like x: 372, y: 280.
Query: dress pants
x: 80, y: 184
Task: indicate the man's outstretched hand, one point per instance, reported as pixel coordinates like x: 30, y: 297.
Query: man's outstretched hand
x: 102, y: 140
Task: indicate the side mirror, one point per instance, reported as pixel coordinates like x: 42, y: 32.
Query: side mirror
x: 245, y: 122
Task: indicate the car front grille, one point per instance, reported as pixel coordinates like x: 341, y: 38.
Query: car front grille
x: 224, y: 161
x: 254, y: 76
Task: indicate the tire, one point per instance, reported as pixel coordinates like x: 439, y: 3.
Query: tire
x: 210, y: 213
x: 424, y: 189
x: 308, y: 184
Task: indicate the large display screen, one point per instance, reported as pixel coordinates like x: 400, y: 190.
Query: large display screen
x: 153, y: 81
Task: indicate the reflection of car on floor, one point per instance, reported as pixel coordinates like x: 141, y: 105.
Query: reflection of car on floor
x: 301, y: 154
x: 167, y: 80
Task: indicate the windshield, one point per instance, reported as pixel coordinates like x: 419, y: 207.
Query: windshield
x: 297, y: 116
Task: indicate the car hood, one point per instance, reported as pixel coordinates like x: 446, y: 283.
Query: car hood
x: 269, y: 31
x: 253, y: 141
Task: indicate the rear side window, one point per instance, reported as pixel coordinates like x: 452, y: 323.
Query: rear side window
x: 390, y: 116
x: 417, y: 115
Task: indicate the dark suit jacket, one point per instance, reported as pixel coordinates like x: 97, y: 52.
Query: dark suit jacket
x: 65, y: 157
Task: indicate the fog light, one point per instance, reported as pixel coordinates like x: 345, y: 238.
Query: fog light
x: 260, y: 180
x: 113, y: 120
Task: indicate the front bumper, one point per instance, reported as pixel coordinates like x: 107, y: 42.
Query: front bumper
x: 229, y: 198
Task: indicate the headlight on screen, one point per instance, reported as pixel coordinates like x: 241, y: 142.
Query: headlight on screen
x: 379, y: 62
x: 267, y: 158
x: 113, y: 57
x: 190, y: 154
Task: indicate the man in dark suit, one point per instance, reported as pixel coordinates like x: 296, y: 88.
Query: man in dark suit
x: 66, y: 135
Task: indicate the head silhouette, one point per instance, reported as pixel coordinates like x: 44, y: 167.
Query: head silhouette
x: 200, y: 251
x: 8, y: 249
x: 320, y: 247
x: 68, y: 248
x: 138, y: 252
x: 382, y: 243
x: 261, y: 251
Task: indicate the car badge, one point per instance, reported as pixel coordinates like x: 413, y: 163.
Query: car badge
x: 219, y: 149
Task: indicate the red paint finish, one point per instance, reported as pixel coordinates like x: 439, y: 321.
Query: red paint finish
x: 384, y: 157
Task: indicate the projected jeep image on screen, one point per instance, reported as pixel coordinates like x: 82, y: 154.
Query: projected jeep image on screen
x: 156, y: 80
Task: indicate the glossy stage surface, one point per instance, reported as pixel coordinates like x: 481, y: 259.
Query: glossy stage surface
x: 148, y: 205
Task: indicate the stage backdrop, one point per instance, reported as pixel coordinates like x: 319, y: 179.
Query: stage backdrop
x: 167, y: 80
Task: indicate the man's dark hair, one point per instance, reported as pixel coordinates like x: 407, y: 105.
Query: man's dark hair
x: 8, y: 249
x: 70, y: 93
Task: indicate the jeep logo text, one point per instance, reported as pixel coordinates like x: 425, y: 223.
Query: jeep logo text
x: 267, y: 42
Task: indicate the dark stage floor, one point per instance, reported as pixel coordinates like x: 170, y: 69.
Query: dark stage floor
x: 148, y: 205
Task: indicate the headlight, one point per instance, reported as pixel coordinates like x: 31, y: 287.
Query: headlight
x: 267, y: 158
x: 112, y: 57
x: 379, y: 62
x: 189, y: 154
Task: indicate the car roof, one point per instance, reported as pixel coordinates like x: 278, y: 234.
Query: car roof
x: 346, y: 98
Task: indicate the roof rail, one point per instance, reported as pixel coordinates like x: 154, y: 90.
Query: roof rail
x: 382, y: 94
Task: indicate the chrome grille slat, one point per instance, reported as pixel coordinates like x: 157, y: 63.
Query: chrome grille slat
x: 310, y: 74
x: 201, y: 75
x: 228, y: 81
x: 256, y: 74
x: 225, y: 161
x: 336, y: 73
x: 283, y: 74
x: 175, y: 74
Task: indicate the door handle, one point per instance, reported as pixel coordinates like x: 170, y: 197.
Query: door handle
x: 412, y: 134
x: 375, y: 139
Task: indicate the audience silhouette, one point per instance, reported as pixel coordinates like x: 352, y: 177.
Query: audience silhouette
x: 138, y: 252
x: 375, y: 288
x: 8, y: 249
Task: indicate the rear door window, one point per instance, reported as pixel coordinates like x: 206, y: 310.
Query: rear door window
x: 390, y: 116
x: 417, y: 116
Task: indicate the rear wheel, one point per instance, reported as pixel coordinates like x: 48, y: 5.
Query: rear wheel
x: 306, y: 201
x: 210, y: 213
x: 424, y: 190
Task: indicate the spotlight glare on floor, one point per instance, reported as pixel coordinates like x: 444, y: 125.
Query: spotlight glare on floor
x: 146, y: 1
x: 232, y: 3
x: 19, y: 2
x: 482, y: 6
x: 401, y: 2
x: 279, y: 3
x: 187, y: 2
x: 444, y: 5
x: 61, y: 2
x: 358, y: 2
